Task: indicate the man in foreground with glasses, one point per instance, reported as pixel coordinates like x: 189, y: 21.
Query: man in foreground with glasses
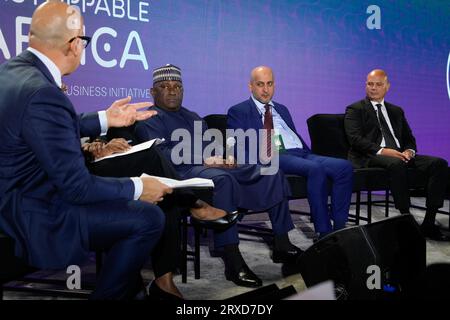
x: 54, y: 209
x: 380, y: 136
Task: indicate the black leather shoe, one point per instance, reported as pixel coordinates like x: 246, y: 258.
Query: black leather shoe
x: 244, y: 277
x: 289, y: 256
x: 155, y: 293
x: 218, y: 224
x: 433, y: 233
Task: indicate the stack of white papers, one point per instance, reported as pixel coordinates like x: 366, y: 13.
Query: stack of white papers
x: 188, y: 183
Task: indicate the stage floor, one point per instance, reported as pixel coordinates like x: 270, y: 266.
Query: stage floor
x: 256, y: 251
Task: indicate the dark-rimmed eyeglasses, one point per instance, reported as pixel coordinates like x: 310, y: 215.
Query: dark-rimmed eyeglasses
x: 85, y: 40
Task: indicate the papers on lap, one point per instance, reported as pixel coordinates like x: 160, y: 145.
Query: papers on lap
x: 188, y: 183
x: 136, y: 148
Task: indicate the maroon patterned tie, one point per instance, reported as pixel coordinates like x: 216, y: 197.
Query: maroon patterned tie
x: 268, y: 127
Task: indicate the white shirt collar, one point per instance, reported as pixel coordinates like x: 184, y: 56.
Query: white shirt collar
x: 51, y: 66
x: 374, y: 103
x: 260, y: 105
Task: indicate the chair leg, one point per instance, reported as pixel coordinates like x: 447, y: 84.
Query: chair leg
x: 449, y: 214
x: 369, y: 206
x: 197, y: 252
x: 386, y: 204
x: 358, y: 207
x: 98, y: 263
x: 184, y: 230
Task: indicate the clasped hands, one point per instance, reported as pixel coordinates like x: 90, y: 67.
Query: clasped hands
x: 405, y: 156
x: 219, y: 162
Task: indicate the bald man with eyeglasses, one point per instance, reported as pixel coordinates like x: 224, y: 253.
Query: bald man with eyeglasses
x: 53, y: 208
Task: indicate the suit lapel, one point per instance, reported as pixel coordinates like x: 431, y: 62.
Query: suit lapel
x: 283, y: 116
x: 393, y: 118
x: 289, y: 123
x: 255, y: 115
x: 371, y: 110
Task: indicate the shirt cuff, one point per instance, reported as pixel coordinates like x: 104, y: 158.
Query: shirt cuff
x: 103, y: 122
x: 379, y: 151
x: 138, y: 187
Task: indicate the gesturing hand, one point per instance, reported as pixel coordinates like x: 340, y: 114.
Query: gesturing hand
x: 122, y: 113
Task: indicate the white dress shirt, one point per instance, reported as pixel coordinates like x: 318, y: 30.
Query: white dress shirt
x: 290, y: 138
x: 56, y: 74
x: 386, y: 116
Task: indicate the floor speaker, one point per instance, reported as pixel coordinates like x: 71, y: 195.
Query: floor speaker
x: 382, y: 260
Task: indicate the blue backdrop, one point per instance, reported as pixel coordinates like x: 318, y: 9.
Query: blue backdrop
x: 320, y: 51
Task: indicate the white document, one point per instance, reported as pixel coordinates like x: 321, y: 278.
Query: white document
x: 188, y: 183
x: 136, y: 148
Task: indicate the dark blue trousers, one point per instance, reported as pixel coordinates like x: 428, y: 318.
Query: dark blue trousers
x: 244, y: 187
x: 127, y: 231
x: 317, y: 170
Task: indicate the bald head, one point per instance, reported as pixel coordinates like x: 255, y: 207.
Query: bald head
x: 53, y: 24
x: 378, y: 73
x: 260, y: 71
x: 262, y: 84
x: 377, y: 85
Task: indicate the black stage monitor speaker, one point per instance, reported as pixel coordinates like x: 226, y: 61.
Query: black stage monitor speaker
x: 382, y: 260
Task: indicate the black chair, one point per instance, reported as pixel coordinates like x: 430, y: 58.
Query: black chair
x: 328, y: 138
x: 16, y: 275
x: 10, y: 267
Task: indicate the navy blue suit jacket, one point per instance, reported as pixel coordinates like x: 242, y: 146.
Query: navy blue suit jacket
x: 245, y: 115
x: 45, y: 187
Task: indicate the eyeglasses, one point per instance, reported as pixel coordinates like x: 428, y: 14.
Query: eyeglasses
x: 85, y: 40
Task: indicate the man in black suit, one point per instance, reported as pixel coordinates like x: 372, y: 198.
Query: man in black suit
x: 380, y: 136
